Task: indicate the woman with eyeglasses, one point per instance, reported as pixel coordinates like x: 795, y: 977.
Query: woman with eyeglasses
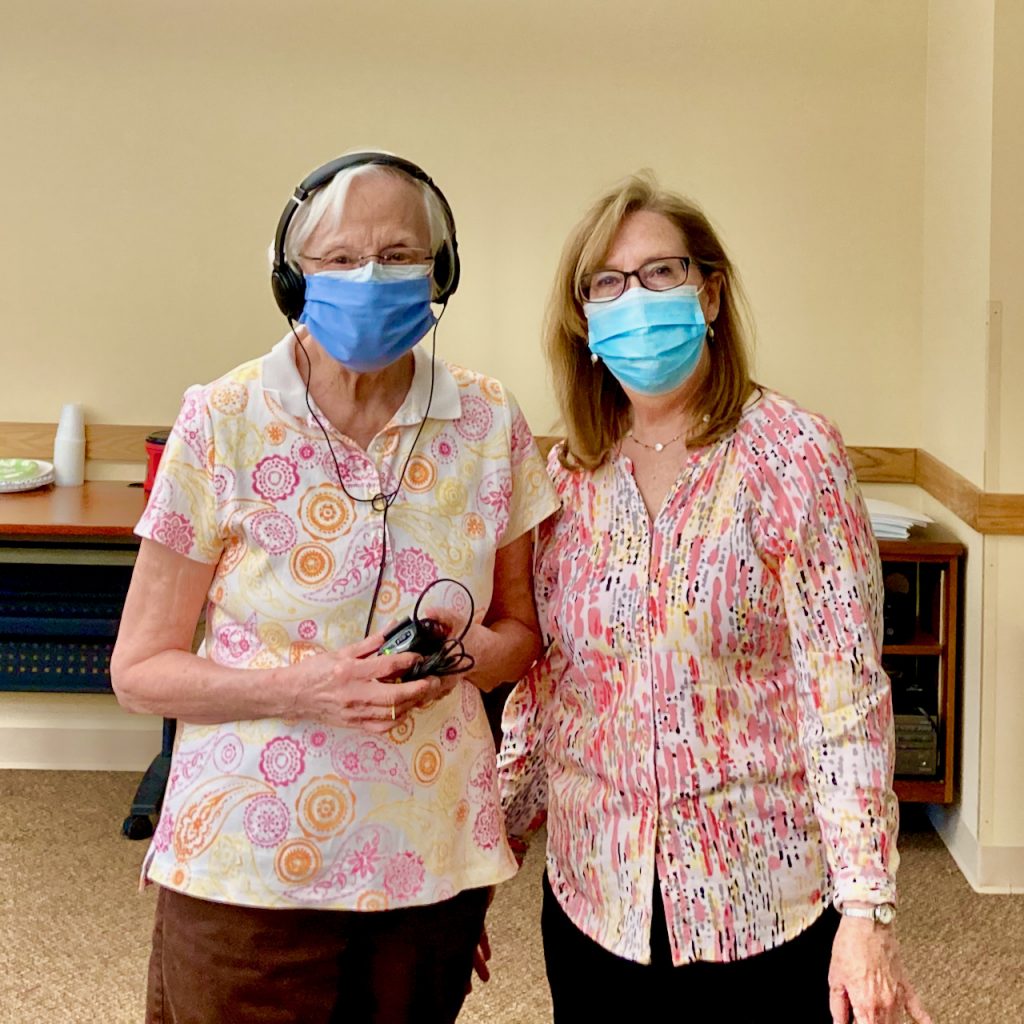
x: 709, y: 731
x: 331, y: 830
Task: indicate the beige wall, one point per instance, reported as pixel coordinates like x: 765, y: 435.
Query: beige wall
x: 957, y: 233
x: 1007, y: 412
x: 149, y: 149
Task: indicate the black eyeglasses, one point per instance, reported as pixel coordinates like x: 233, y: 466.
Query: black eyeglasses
x: 656, y: 276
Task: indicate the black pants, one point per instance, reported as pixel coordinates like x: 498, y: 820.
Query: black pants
x: 218, y: 964
x: 786, y: 984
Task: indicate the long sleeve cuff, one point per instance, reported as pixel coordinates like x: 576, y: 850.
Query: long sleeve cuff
x: 857, y: 886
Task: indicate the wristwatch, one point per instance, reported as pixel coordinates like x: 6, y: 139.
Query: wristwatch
x: 881, y: 913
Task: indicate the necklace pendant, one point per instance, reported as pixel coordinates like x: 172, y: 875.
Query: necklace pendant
x: 659, y: 447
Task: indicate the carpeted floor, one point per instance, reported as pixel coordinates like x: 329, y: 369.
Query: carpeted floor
x: 74, y: 933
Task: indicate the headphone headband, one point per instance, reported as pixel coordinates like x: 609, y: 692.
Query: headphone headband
x: 289, y: 286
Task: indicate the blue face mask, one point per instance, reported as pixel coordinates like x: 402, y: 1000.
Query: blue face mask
x: 369, y: 317
x: 650, y: 341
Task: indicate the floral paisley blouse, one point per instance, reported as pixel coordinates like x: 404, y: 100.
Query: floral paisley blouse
x: 277, y: 813
x: 710, y: 725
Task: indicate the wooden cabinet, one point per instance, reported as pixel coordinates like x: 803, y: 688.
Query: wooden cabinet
x: 922, y: 656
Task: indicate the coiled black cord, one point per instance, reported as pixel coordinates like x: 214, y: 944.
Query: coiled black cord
x: 452, y: 657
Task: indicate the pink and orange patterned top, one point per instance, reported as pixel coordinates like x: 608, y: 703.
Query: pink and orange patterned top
x: 277, y: 813
x: 711, y: 721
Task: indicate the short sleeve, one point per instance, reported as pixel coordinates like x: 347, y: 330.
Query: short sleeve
x: 182, y: 509
x: 532, y: 497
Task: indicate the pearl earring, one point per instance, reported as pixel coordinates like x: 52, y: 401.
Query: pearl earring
x: 711, y: 333
x: 595, y: 358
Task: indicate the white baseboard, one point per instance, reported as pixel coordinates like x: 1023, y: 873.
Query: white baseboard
x: 74, y: 732
x: 1002, y: 869
x: 988, y: 869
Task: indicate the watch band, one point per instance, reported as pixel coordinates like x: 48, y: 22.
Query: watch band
x: 881, y: 913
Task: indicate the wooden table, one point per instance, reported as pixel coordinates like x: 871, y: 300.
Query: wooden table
x: 96, y: 510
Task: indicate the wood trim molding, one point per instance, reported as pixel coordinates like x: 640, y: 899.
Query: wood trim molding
x: 957, y: 493
x: 884, y: 465
x: 988, y: 512
x: 1001, y: 513
x: 104, y: 442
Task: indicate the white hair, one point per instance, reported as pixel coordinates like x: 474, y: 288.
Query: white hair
x: 328, y: 202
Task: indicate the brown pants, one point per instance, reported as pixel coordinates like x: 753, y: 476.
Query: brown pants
x: 213, y: 963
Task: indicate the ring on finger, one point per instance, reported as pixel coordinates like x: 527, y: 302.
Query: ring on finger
x: 392, y: 711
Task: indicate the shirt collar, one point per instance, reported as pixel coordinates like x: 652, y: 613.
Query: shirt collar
x: 281, y: 377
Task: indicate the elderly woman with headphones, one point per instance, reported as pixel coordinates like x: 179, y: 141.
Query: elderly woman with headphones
x: 331, y: 825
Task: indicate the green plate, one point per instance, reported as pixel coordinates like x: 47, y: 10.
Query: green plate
x: 18, y: 470
x: 24, y: 474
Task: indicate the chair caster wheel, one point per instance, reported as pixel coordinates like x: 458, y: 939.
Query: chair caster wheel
x: 137, y: 826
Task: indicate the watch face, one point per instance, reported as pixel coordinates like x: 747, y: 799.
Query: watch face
x: 885, y: 913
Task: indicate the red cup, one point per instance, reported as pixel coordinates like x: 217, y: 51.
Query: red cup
x: 154, y: 449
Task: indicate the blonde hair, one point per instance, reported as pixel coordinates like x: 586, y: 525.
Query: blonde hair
x: 595, y: 410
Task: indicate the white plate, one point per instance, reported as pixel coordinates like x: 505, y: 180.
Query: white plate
x: 19, y: 474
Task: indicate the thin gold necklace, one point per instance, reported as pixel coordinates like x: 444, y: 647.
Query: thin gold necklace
x: 659, y: 446
x: 662, y: 445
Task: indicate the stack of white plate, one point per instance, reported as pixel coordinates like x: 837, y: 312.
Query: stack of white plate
x: 894, y: 522
x: 24, y: 474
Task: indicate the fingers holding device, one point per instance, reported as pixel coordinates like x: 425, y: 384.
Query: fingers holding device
x: 440, y: 653
x: 424, y: 637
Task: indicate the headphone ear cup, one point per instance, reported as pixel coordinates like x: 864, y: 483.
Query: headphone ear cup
x: 442, y: 274
x: 446, y: 268
x: 289, y: 287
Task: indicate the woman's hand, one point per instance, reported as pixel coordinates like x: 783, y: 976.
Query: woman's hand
x: 866, y: 977
x: 482, y: 953
x: 346, y: 687
x: 479, y: 642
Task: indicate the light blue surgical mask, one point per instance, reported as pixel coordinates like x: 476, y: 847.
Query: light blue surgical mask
x: 650, y: 341
x: 369, y: 317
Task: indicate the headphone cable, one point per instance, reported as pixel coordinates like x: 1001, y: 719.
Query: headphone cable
x: 387, y: 500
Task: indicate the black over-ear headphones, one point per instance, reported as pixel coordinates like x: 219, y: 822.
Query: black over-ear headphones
x: 288, y: 284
